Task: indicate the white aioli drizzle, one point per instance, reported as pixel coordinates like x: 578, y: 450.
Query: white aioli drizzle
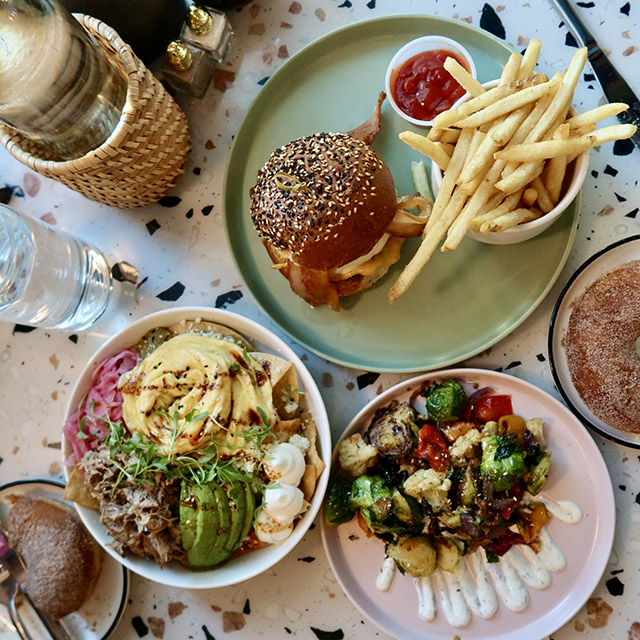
x: 564, y: 510
x: 385, y: 577
x: 462, y: 595
x: 426, y: 599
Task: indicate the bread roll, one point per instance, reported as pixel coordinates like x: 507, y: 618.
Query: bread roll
x: 63, y: 561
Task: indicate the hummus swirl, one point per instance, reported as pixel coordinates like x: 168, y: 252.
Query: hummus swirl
x: 193, y: 374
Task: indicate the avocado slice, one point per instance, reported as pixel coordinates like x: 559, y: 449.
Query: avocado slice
x: 219, y: 536
x: 238, y: 502
x: 249, y: 511
x: 206, y: 524
x: 188, y: 516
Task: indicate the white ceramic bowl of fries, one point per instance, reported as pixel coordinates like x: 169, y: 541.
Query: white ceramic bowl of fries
x: 557, y: 189
x: 508, y: 159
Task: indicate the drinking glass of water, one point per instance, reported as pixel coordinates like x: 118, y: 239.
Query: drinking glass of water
x: 49, y: 278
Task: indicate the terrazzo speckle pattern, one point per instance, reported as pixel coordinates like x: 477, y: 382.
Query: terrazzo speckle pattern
x: 177, y: 251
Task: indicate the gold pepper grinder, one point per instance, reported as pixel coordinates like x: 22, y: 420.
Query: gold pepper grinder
x: 188, y: 68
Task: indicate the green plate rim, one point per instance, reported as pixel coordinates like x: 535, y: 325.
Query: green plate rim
x: 242, y: 142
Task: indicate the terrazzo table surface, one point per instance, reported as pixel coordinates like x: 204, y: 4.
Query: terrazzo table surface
x: 183, y: 259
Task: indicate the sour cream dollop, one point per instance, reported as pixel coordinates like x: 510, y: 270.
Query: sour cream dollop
x: 282, y: 502
x: 285, y: 463
x: 270, y: 530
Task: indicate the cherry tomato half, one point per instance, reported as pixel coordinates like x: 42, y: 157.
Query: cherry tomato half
x: 433, y: 447
x: 491, y: 408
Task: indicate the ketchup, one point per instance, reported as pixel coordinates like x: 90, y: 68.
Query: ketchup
x: 423, y: 88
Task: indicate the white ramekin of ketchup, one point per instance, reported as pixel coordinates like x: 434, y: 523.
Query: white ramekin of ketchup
x: 418, y: 85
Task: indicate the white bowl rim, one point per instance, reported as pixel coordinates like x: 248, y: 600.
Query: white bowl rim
x: 246, y: 565
x: 413, y: 47
x: 580, y: 167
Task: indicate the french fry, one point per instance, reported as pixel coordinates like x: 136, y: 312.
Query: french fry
x: 426, y: 249
x: 427, y: 147
x: 505, y: 105
x: 443, y: 135
x: 470, y: 187
x: 450, y: 178
x: 555, y: 169
x: 496, y: 200
x: 476, y: 159
x: 509, y: 220
x: 510, y: 69
x: 536, y: 151
x: 463, y: 77
x: 545, y: 202
x: 529, y: 59
x: 529, y: 196
x: 562, y: 99
x: 447, y: 147
x: 452, y: 116
x: 480, y: 159
x: 582, y: 131
x: 437, y: 223
x: 460, y: 226
x: 505, y: 130
x: 497, y: 205
x: 520, y: 177
x: 595, y: 115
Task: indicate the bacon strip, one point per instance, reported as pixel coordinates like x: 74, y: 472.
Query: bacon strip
x: 368, y: 130
x: 312, y: 285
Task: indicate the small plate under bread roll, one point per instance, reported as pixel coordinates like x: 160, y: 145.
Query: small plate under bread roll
x: 100, y: 613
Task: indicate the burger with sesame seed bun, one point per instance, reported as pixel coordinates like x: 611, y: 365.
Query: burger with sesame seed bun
x: 326, y: 209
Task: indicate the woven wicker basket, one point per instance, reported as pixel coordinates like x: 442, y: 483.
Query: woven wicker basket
x: 143, y: 157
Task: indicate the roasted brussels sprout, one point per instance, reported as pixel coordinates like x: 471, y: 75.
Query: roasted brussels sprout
x: 414, y: 555
x: 406, y: 509
x: 336, y: 508
x: 446, y: 401
x: 392, y: 430
x: 449, y: 555
x: 467, y: 489
x: 371, y: 492
x: 539, y: 472
x: 503, y: 461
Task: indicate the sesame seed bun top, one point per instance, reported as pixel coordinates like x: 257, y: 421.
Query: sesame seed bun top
x: 327, y: 198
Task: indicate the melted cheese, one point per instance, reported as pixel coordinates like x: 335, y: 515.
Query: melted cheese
x: 195, y: 374
x: 385, y: 253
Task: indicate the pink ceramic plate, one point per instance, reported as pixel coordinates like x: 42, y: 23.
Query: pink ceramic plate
x: 578, y: 473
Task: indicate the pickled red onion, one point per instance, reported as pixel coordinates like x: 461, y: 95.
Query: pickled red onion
x: 103, y: 400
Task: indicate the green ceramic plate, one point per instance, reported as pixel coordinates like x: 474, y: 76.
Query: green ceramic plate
x: 463, y: 301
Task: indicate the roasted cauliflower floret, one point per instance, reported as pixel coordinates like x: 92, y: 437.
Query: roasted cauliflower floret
x: 300, y: 442
x: 355, y: 455
x: 536, y: 426
x: 431, y: 485
x: 490, y: 429
x: 463, y: 447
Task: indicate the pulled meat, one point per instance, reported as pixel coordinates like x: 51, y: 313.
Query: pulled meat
x: 142, y: 518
